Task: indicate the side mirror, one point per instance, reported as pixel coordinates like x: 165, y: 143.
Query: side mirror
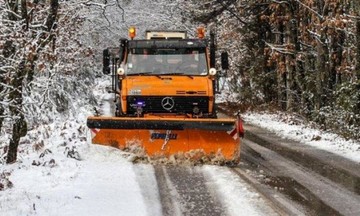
x: 212, y: 49
x: 123, y: 44
x: 225, y: 61
x: 106, y: 61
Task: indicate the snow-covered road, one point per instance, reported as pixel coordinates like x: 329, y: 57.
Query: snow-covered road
x: 59, y: 173
x: 104, y: 182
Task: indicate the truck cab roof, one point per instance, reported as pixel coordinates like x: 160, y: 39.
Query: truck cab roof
x: 165, y: 34
x: 168, y: 44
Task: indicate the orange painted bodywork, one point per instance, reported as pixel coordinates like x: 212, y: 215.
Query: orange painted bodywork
x: 223, y: 141
x: 167, y: 85
x: 198, y: 134
x: 210, y: 142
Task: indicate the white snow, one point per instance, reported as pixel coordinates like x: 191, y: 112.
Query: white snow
x: 145, y: 176
x: 100, y: 180
x: 60, y: 173
x: 300, y: 132
x: 101, y: 93
x: 235, y: 194
x: 103, y: 182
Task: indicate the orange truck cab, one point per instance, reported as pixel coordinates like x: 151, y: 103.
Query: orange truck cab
x: 164, y: 89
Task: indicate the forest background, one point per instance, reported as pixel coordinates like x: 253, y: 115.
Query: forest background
x: 295, y: 56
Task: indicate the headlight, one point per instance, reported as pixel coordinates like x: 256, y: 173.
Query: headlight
x: 212, y: 71
x: 120, y: 71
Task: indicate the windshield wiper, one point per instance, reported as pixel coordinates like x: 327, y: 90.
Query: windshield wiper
x: 174, y: 73
x: 146, y: 73
x: 140, y: 73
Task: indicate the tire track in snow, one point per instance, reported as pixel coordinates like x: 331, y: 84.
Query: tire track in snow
x: 145, y: 176
x: 183, y: 191
x: 168, y: 194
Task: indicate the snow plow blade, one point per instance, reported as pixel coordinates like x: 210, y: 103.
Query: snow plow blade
x: 160, y: 137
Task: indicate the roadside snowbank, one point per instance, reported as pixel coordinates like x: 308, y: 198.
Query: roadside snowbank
x: 286, y: 127
x: 101, y: 184
x: 60, y: 173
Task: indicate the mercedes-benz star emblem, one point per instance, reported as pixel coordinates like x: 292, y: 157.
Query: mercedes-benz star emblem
x: 167, y: 103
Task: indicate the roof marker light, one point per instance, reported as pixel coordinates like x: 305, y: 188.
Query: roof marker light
x: 201, y: 32
x: 132, y: 32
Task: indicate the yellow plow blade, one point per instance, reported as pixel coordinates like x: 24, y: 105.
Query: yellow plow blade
x: 169, y: 136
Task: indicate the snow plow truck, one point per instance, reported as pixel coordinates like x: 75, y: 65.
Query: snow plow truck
x: 164, y: 98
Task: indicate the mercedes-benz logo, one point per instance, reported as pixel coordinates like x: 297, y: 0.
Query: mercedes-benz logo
x: 167, y: 103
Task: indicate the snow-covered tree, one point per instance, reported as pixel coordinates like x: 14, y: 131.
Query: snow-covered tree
x: 51, y: 52
x: 38, y: 54
x: 299, y: 55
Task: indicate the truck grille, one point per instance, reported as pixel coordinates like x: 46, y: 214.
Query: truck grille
x: 155, y: 104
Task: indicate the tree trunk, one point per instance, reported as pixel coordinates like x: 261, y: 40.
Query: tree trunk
x: 8, y: 50
x: 280, y: 77
x: 338, y: 40
x: 320, y: 72
x: 50, y: 21
x: 358, y: 44
x: 292, y: 43
x: 357, y: 66
x: 290, y: 72
x: 19, y: 130
x: 322, y: 56
x: 2, y: 109
x: 280, y: 90
x: 19, y: 126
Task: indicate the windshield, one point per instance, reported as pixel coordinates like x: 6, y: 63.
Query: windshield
x: 167, y: 61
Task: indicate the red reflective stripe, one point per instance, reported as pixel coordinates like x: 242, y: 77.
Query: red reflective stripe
x: 240, y: 127
x: 94, y: 130
x: 233, y: 132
